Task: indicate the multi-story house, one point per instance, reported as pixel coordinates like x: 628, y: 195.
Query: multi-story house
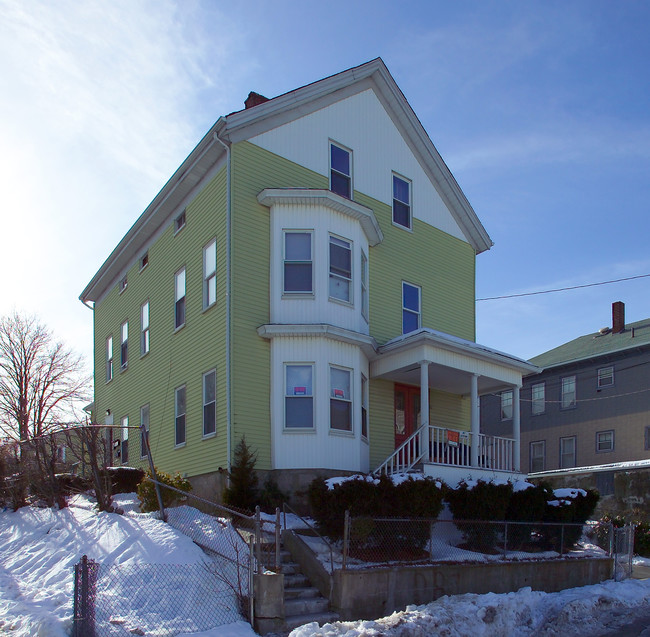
x: 305, y: 280
x: 589, y: 406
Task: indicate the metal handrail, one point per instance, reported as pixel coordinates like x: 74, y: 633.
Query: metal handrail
x: 285, y: 506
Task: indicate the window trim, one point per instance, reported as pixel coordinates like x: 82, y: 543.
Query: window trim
x: 365, y: 300
x: 146, y: 407
x: 182, y: 416
x: 109, y: 358
x: 600, y: 377
x: 505, y: 404
x: 543, y: 456
x: 144, y: 260
x: 331, y: 275
x: 209, y: 434
x: 408, y: 204
x: 145, y: 343
x: 364, y: 408
x: 533, y: 400
x: 338, y: 399
x: 124, y: 345
x: 348, y: 177
x: 180, y: 221
x: 180, y: 300
x: 209, y: 276
x: 286, y: 395
x: 124, y: 283
x: 409, y: 310
x: 297, y: 293
x: 575, y: 452
x: 574, y: 403
x: 613, y: 441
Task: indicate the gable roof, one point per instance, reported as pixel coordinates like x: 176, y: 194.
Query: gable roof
x: 594, y: 345
x: 267, y: 115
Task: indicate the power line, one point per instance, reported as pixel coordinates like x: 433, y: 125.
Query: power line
x: 573, y: 287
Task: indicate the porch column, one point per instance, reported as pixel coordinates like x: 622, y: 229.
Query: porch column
x: 516, y: 428
x: 424, y: 409
x: 474, y: 420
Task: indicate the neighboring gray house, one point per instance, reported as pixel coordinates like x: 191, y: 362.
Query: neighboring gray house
x: 590, y: 404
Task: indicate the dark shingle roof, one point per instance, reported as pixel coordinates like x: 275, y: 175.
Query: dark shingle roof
x: 597, y: 344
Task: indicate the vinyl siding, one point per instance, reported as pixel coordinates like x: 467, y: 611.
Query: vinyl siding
x: 174, y: 358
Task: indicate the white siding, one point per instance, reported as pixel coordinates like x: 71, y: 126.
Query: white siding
x: 377, y: 147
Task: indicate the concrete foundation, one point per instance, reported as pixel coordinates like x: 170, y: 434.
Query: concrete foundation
x: 269, y: 603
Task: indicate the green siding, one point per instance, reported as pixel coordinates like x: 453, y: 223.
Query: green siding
x: 254, y: 169
x: 449, y: 410
x: 381, y: 418
x: 175, y: 358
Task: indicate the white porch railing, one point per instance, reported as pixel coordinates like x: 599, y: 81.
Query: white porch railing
x: 451, y: 447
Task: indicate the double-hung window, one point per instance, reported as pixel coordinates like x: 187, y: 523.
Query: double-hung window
x: 179, y: 414
x: 124, y: 347
x: 506, y: 405
x: 340, y: 399
x: 144, y: 328
x: 209, y: 403
x: 605, y: 377
x: 179, y: 299
x: 402, y: 202
x: 299, y: 397
x: 210, y: 274
x: 411, y: 304
x: 605, y: 441
x: 364, y: 286
x: 364, y: 406
x: 125, y: 440
x: 297, y: 272
x: 567, y: 452
x: 340, y: 171
x: 568, y: 397
x: 340, y: 269
x: 109, y: 358
x: 179, y: 222
x: 144, y: 430
x: 537, y: 456
x: 538, y: 398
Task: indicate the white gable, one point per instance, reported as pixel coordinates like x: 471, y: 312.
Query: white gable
x: 361, y: 123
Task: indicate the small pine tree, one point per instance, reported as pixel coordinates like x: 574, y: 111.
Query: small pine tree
x: 242, y: 492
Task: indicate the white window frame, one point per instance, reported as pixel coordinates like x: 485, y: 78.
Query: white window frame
x: 209, y: 432
x: 364, y: 408
x: 180, y: 413
x: 209, y: 275
x: 411, y: 311
x: 565, y: 401
x: 339, y: 275
x: 364, y: 286
x: 144, y: 420
x: 601, y: 437
x: 109, y: 358
x: 145, y: 343
x: 507, y: 404
x: 124, y: 455
x: 337, y: 399
x: 180, y: 301
x: 339, y: 173
x: 563, y: 453
x: 289, y: 262
x: 144, y: 261
x: 537, y: 444
x: 606, y: 376
x: 180, y: 222
x: 290, y: 394
x: 538, y: 403
x: 124, y: 345
x: 397, y: 201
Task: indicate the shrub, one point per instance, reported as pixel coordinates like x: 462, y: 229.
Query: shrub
x: 271, y: 496
x: 147, y: 490
x: 124, y: 479
x: 242, y: 492
x: 571, y: 506
x: 526, y: 505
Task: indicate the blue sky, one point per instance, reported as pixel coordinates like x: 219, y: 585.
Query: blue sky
x: 540, y: 109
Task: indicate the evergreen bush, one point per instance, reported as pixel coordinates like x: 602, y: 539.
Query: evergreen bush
x: 147, y: 490
x: 243, y: 492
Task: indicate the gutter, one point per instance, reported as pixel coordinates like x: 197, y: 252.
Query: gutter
x: 221, y: 124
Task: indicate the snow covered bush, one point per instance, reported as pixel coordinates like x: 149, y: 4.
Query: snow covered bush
x: 571, y: 506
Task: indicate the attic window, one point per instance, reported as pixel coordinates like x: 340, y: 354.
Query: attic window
x: 179, y: 222
x: 144, y: 261
x: 341, y: 171
x: 123, y: 284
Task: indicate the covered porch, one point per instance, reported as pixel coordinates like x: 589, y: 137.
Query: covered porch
x: 430, y: 360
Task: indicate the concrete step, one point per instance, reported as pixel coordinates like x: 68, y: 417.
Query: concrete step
x: 305, y: 606
x: 299, y: 620
x: 296, y: 581
x: 301, y: 591
x: 290, y: 568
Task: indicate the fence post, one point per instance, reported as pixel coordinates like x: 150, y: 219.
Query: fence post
x: 251, y: 583
x: 277, y: 540
x: 84, y: 599
x: 258, y: 538
x: 346, y: 538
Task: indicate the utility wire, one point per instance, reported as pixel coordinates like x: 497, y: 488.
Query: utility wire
x: 573, y: 287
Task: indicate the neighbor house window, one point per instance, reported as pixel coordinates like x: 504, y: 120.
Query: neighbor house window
x: 144, y: 431
x: 567, y: 452
x: 340, y: 171
x: 340, y: 269
x: 210, y: 403
x: 605, y: 377
x: 401, y: 202
x: 179, y: 409
x: 568, y: 392
x: 109, y: 358
x: 537, y: 456
x: 124, y: 348
x: 144, y: 261
x: 297, y: 263
x: 144, y: 328
x: 538, y: 398
x: 299, y: 397
x: 340, y: 399
x: 210, y: 274
x: 506, y: 405
x: 125, y: 440
x: 410, y: 307
x: 364, y: 406
x: 179, y: 297
x: 605, y: 441
x: 179, y: 222
x: 364, y: 285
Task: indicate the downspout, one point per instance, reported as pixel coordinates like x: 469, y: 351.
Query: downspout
x: 228, y: 339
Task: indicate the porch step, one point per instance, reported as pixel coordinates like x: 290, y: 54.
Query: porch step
x: 320, y: 619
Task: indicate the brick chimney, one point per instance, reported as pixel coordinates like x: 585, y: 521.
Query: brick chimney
x: 254, y: 99
x: 618, y: 317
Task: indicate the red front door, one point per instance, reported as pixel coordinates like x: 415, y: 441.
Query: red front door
x: 407, y: 412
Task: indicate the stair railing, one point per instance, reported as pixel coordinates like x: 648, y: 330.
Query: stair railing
x: 285, y: 508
